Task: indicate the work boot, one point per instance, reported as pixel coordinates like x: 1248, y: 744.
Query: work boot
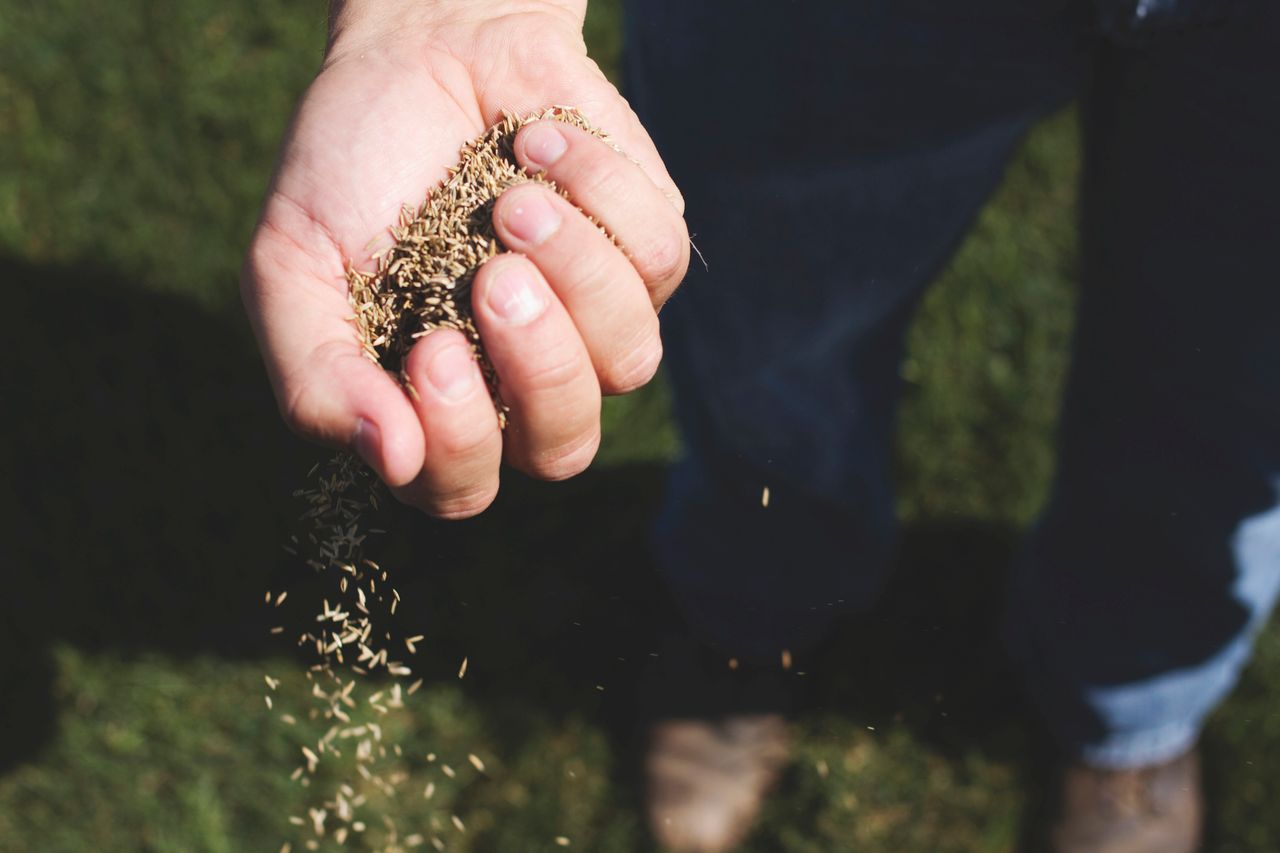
x: 708, y: 779
x: 1153, y: 809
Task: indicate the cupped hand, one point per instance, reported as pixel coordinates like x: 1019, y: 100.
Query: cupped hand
x: 566, y: 315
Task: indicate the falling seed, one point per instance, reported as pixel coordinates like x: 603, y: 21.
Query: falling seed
x: 733, y: 663
x: 422, y: 283
x: 429, y: 791
x: 764, y: 497
x: 786, y: 658
x: 562, y: 840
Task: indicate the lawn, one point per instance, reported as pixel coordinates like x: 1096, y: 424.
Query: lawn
x: 150, y: 490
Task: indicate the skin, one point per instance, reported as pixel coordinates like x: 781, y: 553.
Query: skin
x: 566, y: 315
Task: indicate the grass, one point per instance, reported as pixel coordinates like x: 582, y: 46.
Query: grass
x: 149, y: 496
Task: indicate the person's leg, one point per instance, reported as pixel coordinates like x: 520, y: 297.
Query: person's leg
x: 1159, y: 554
x: 832, y: 155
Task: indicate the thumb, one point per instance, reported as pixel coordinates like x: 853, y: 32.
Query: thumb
x: 328, y: 391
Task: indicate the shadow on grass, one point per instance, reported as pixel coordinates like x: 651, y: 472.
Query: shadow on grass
x: 145, y: 463
x: 150, y: 495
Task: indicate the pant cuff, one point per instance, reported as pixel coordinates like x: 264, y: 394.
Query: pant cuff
x: 1130, y: 750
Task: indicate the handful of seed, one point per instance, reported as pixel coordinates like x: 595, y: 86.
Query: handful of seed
x: 423, y: 281
x: 420, y: 284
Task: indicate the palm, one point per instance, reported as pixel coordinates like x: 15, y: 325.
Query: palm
x: 363, y: 147
x: 373, y: 134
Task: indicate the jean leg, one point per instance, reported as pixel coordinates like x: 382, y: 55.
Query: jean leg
x: 1159, y: 555
x: 831, y: 155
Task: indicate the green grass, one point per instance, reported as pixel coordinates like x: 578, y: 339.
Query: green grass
x: 149, y: 482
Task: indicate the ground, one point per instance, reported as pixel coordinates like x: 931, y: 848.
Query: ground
x: 149, y: 496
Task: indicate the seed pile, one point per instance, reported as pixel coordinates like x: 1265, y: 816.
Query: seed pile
x: 421, y: 283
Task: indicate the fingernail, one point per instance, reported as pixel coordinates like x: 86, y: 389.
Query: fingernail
x: 452, y: 371
x: 544, y: 145
x: 531, y: 218
x: 513, y: 296
x: 368, y: 441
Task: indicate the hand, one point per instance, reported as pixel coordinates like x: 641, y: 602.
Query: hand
x: 568, y: 318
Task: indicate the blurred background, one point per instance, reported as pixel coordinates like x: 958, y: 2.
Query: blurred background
x: 148, y: 493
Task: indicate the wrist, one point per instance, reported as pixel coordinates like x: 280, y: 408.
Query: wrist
x: 367, y: 20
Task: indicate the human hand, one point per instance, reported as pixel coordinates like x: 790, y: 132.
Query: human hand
x: 572, y: 316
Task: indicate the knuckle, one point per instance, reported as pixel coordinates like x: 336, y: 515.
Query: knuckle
x: 600, y: 178
x: 665, y: 259
x: 560, y: 373
x: 565, y: 460
x: 634, y: 369
x: 465, y: 440
x: 591, y: 272
x: 469, y: 505
x: 463, y: 502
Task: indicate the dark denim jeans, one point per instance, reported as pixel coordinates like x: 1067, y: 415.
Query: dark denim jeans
x: 833, y: 154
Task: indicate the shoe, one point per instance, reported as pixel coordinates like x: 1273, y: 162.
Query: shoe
x: 716, y: 742
x: 1155, y: 809
x: 708, y: 779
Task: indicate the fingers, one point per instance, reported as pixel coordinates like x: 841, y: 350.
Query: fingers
x: 618, y: 193
x: 463, y: 443
x: 545, y: 371
x: 439, y: 449
x: 601, y: 289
